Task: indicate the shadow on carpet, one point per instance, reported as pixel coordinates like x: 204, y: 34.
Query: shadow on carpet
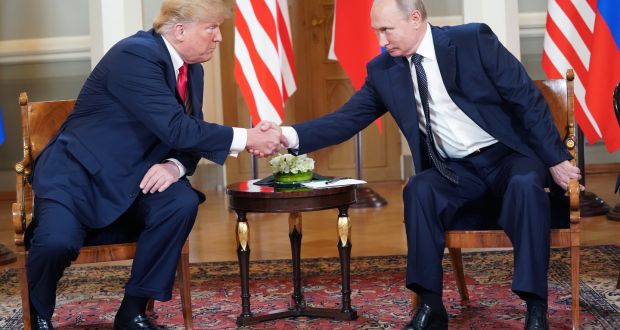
x: 89, y: 296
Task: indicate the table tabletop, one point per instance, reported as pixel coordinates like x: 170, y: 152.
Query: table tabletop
x: 246, y: 196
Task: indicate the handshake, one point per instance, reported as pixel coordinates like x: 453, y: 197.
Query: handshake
x: 265, y: 139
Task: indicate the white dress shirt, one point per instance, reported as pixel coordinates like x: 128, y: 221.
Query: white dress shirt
x: 455, y: 134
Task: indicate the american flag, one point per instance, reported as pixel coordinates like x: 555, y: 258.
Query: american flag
x: 585, y: 35
x: 264, y: 68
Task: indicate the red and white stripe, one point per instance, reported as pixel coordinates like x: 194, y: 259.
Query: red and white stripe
x: 568, y: 43
x: 264, y: 67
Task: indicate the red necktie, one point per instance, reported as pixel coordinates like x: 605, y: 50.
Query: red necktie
x: 182, y: 82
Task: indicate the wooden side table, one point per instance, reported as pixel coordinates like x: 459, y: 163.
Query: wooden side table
x: 246, y: 197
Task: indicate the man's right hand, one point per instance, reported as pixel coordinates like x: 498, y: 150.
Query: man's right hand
x: 563, y: 172
x: 264, y: 139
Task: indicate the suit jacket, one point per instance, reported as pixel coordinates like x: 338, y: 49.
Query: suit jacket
x: 127, y: 117
x: 482, y: 78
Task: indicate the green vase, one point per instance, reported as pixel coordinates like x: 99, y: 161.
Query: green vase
x: 293, y: 177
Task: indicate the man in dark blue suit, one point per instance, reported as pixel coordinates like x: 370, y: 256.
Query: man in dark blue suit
x: 122, y: 157
x: 476, y: 125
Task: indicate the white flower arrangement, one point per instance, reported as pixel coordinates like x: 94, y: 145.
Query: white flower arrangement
x: 288, y: 163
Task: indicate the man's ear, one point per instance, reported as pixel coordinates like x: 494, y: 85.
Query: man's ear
x: 178, y: 31
x: 415, y: 16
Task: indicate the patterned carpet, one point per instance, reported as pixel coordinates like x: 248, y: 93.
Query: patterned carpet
x: 89, y: 296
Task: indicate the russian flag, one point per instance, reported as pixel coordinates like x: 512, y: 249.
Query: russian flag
x: 354, y: 42
x: 604, y: 71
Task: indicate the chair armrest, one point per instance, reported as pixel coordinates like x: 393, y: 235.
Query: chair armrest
x: 23, y: 166
x: 20, y: 229
x: 22, y: 208
x: 573, y: 197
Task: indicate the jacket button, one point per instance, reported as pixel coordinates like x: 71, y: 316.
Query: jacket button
x: 132, y: 195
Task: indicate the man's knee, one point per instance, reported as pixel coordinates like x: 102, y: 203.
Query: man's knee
x: 186, y: 202
x: 55, y: 248
x: 525, y: 184
x: 417, y: 187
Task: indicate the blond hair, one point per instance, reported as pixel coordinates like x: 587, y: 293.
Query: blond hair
x: 187, y: 11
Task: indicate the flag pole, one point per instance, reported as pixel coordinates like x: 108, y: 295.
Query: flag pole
x: 358, y: 155
x: 589, y: 203
x: 366, y: 197
x: 614, y: 214
x: 253, y: 160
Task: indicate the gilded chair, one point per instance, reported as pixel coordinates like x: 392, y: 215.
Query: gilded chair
x: 565, y: 214
x: 40, y: 121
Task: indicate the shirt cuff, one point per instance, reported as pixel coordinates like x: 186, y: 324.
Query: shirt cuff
x: 182, y: 170
x: 291, y: 137
x: 240, y: 138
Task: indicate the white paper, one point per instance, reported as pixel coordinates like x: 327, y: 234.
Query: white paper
x: 323, y: 183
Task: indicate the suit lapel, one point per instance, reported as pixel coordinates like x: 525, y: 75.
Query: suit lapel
x: 172, y: 81
x: 399, y: 75
x: 170, y: 76
x: 195, y: 85
x: 445, y: 52
x: 402, y: 88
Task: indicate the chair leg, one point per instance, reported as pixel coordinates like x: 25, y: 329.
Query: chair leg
x: 457, y: 263
x: 150, y: 307
x: 574, y: 275
x: 184, y: 287
x: 23, y: 283
x: 415, y: 302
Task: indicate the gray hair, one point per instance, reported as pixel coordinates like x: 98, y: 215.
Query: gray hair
x: 407, y: 6
x: 187, y: 11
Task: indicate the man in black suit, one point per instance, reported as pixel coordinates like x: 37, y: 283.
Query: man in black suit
x: 122, y: 157
x: 476, y: 125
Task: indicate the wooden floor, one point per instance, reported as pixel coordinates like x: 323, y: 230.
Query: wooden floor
x: 375, y: 232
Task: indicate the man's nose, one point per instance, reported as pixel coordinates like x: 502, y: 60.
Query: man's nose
x: 382, y: 40
x: 217, y: 37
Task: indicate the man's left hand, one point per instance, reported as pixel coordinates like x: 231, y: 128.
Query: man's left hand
x: 159, y: 177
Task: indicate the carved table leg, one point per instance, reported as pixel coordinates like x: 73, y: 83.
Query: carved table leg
x: 344, y: 250
x: 243, y: 254
x: 294, y: 233
x: 346, y: 313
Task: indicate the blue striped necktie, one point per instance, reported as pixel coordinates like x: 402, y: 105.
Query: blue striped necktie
x: 436, y: 159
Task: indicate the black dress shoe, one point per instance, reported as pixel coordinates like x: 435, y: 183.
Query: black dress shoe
x: 39, y: 323
x: 536, y: 318
x: 139, y: 322
x: 426, y: 318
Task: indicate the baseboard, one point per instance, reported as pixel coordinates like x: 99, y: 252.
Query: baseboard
x: 607, y: 168
x: 7, y: 195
